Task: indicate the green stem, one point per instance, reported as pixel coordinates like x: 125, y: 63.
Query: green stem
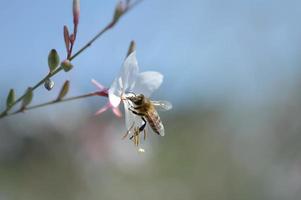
x: 54, y: 102
x: 105, y: 29
x: 89, y: 43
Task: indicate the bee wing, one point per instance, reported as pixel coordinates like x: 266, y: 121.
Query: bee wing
x: 155, y: 123
x: 162, y: 105
x: 160, y: 130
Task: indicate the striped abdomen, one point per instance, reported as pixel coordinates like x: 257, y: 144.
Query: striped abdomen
x: 155, y: 122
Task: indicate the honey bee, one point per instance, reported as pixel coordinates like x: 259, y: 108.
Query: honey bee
x: 146, y: 109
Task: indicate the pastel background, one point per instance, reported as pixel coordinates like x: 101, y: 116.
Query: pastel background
x: 232, y: 71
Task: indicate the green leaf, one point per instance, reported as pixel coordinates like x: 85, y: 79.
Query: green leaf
x: 27, y: 98
x: 64, y: 91
x: 53, y: 60
x: 10, y: 98
x: 67, y: 65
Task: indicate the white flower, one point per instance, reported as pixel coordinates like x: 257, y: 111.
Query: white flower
x: 131, y: 81
x: 104, y: 92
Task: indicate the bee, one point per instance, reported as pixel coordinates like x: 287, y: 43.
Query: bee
x: 146, y: 109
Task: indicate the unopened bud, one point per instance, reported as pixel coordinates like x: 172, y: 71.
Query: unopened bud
x: 48, y: 84
x: 76, y: 12
x: 64, y: 91
x: 119, y: 10
x: 53, y: 60
x: 27, y: 98
x: 132, y: 48
x: 67, y: 65
x: 72, y: 38
x: 66, y: 38
x: 10, y: 98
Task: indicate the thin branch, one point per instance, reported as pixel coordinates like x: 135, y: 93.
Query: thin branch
x: 89, y: 43
x: 56, y: 102
x: 107, y: 27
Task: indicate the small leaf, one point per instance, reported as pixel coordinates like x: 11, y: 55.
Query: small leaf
x: 67, y: 65
x: 66, y: 38
x: 64, y: 91
x: 48, y: 84
x: 27, y: 98
x: 53, y: 60
x: 10, y: 98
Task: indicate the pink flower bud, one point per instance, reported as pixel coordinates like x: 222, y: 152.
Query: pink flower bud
x: 76, y: 11
x: 72, y: 38
x: 66, y: 38
x: 119, y: 10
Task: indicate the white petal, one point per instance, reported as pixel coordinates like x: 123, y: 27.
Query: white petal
x: 147, y: 82
x: 114, y: 100
x: 129, y: 71
x: 125, y: 80
x: 115, y: 93
x: 117, y: 112
x: 103, y: 109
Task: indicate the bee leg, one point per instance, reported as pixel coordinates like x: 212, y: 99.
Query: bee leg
x: 135, y: 139
x: 136, y: 113
x: 138, y: 139
x: 135, y: 136
x: 143, y: 125
x: 141, y: 128
x: 128, y: 131
x: 144, y: 134
x: 137, y: 107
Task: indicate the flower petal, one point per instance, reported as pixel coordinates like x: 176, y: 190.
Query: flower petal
x: 116, y: 111
x: 147, y: 82
x: 129, y: 72
x: 125, y: 80
x: 103, y: 109
x: 115, y: 93
x: 97, y: 84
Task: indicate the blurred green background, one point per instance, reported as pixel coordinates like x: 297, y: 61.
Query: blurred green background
x: 232, y: 71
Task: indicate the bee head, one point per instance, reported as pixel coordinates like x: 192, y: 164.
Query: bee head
x: 137, y: 99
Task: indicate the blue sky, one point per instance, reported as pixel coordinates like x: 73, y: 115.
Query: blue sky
x: 209, y: 49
